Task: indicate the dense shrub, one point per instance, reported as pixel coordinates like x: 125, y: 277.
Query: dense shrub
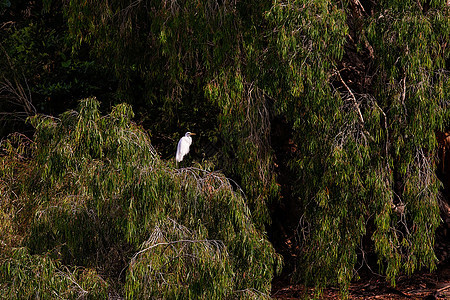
x: 100, y: 198
x: 324, y: 112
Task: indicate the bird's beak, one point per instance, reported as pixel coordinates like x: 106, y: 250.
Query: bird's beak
x: 192, y: 133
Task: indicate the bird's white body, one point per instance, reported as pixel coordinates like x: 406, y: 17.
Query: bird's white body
x: 183, y: 146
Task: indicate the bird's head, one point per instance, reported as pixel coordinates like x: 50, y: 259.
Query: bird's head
x: 189, y: 133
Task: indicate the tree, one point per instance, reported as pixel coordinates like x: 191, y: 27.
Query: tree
x: 39, y: 72
x: 366, y: 152
x: 357, y: 87
x: 100, y: 199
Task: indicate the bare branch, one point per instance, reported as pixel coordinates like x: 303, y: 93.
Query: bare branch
x: 14, y: 92
x: 352, y: 96
x: 172, y: 243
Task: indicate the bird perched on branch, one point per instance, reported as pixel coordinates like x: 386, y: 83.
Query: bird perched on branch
x: 183, y: 146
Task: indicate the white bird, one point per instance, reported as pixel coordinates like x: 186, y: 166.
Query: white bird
x: 183, y: 146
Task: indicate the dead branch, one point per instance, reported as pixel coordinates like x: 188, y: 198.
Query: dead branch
x: 358, y: 8
x: 14, y: 92
x: 4, y: 24
x: 448, y: 285
x: 404, y: 91
x: 352, y: 96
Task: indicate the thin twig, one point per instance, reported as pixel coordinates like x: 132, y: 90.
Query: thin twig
x: 171, y: 243
x: 352, y: 96
x: 69, y: 277
x: 443, y: 288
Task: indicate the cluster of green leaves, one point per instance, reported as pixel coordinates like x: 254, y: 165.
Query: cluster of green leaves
x: 364, y: 156
x: 412, y: 90
x: 191, y: 57
x: 37, y: 57
x: 100, y: 198
x: 330, y: 161
x: 4, y: 4
x: 26, y: 276
x: 350, y: 164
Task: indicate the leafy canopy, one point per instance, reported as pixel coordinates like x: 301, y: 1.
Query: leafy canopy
x: 100, y: 198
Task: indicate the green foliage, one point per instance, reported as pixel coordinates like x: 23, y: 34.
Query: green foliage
x: 309, y: 41
x: 103, y: 193
x: 362, y: 155
x: 176, y: 264
x: 25, y: 276
x: 360, y: 88
x: 37, y: 63
x: 410, y: 53
x: 4, y: 4
x: 193, y: 76
x: 245, y: 127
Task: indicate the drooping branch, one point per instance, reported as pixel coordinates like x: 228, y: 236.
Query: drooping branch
x: 352, y: 96
x: 172, y: 243
x: 12, y: 91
